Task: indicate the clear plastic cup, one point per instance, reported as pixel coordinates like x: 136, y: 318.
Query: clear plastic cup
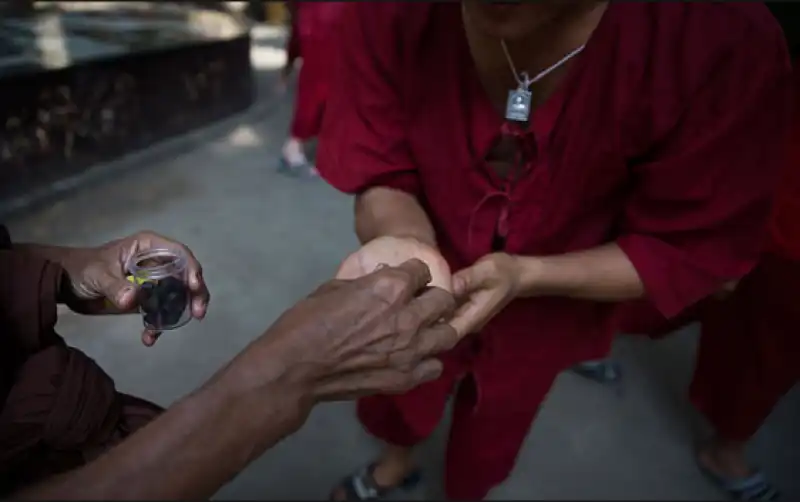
x: 163, y: 291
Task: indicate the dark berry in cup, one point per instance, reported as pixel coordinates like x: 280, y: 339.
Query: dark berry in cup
x: 163, y: 302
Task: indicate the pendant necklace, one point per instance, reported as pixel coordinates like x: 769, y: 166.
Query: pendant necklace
x: 518, y: 106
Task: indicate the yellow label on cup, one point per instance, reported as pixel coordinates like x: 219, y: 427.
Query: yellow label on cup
x: 136, y: 280
x: 133, y: 280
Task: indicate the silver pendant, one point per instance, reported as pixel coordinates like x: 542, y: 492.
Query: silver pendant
x: 518, y: 106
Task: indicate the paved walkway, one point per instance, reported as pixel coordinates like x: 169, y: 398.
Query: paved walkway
x: 266, y: 240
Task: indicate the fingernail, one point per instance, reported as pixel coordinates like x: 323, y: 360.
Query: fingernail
x: 380, y: 266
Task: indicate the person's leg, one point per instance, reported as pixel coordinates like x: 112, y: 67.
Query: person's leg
x: 401, y: 422
x: 747, y: 360
x: 492, y: 415
x: 639, y: 317
x: 309, y: 106
x: 304, y: 126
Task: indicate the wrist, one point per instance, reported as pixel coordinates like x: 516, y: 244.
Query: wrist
x: 72, y: 261
x: 529, y: 272
x: 263, y: 368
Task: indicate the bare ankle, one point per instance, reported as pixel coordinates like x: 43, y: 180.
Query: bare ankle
x: 394, y: 465
x: 727, y: 456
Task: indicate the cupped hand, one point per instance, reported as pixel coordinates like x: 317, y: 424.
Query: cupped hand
x: 393, y: 251
x: 378, y: 333
x: 483, y: 290
x: 99, y: 275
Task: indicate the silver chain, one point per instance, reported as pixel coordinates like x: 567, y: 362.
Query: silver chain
x: 525, y: 81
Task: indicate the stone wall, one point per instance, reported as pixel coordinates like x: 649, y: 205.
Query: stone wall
x: 57, y: 123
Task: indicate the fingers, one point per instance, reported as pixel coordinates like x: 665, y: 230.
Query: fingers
x: 467, y: 280
x: 470, y: 315
x: 433, y: 340
x: 383, y: 381
x: 431, y: 306
x: 200, y: 301
x: 194, y: 271
x: 417, y: 332
x: 418, y: 272
x: 400, y: 283
x: 149, y: 338
x: 119, y: 292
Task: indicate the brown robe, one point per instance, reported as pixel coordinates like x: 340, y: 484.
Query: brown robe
x: 59, y: 410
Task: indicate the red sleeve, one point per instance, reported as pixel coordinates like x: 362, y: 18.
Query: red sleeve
x: 363, y: 139
x: 698, y: 211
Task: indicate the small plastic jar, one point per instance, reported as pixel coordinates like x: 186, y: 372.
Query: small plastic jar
x: 163, y: 293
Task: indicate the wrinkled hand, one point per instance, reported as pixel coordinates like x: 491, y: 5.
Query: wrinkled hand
x: 375, y: 334
x: 393, y: 251
x: 98, y: 275
x: 483, y: 290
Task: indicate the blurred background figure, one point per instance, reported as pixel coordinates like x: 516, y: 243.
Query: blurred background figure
x: 312, y: 39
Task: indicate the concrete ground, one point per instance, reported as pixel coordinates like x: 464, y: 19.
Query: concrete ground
x: 266, y: 240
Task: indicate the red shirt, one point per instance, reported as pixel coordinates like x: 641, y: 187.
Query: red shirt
x: 784, y: 235
x: 664, y: 137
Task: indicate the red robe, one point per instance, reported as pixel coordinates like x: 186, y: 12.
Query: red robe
x: 663, y: 138
x: 749, y: 344
x: 314, y: 31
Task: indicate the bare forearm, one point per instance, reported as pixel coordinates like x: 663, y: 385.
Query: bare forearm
x: 189, y: 452
x: 387, y: 212
x: 603, y: 274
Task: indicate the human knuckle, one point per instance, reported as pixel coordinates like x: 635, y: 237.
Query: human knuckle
x: 407, y: 320
x: 445, y: 300
x: 391, y: 284
x: 490, y: 266
x: 402, y: 360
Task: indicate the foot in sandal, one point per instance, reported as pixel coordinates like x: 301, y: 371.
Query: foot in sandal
x: 724, y: 463
x: 394, y: 471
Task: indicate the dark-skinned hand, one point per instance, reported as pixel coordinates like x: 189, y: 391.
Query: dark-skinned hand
x: 98, y: 276
x: 378, y: 333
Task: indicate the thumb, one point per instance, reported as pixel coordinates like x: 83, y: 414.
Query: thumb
x: 118, y: 291
x: 468, y: 280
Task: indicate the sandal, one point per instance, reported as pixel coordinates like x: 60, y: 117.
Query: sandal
x: 362, y: 485
x: 603, y: 371
x: 755, y: 487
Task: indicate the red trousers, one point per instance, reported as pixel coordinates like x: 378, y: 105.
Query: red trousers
x: 749, y: 349
x: 749, y: 345
x: 493, y: 410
